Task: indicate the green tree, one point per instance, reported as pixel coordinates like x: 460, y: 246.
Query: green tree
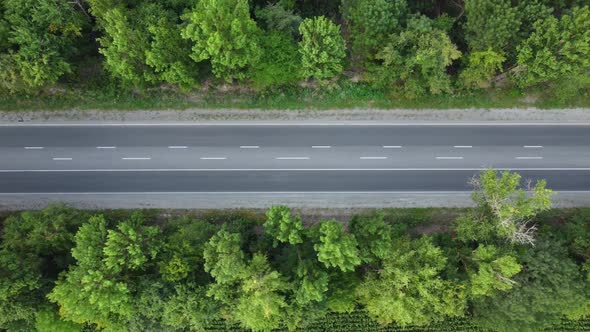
x: 35, y: 248
x: 277, y: 18
x: 557, y: 49
x: 168, y: 54
x: 370, y: 22
x: 504, y: 209
x: 481, y: 68
x: 336, y: 248
x: 415, y: 61
x: 373, y: 236
x: 223, y: 32
x: 409, y: 289
x: 261, y: 305
x: 189, y: 308
x: 224, y: 258
x: 104, y: 284
x: 549, y: 287
x: 493, y: 271
x: 282, y: 226
x: 49, y: 320
x: 124, y: 45
x: 279, y: 64
x: 41, y: 41
x: 491, y: 25
x: 322, y: 48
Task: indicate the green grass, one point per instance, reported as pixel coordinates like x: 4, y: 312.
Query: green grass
x: 358, y: 321
x: 345, y: 95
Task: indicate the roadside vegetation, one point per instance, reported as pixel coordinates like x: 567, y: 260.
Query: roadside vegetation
x: 509, y: 264
x: 107, y: 54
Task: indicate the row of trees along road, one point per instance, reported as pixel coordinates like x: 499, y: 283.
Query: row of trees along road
x: 408, y: 48
x: 69, y: 270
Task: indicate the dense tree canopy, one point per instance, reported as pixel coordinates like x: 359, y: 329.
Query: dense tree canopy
x: 67, y: 270
x: 398, y: 48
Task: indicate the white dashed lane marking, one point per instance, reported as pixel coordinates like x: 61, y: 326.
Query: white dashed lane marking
x: 249, y: 146
x: 292, y: 158
x: 136, y: 158
x: 533, y: 146
x: 525, y: 158
x: 373, y: 158
x: 462, y: 146
x: 34, y: 148
x: 392, y: 146
x: 177, y: 147
x: 213, y: 158
x: 61, y: 159
x: 321, y: 147
x: 449, y: 158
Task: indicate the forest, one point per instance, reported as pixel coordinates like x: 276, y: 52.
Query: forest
x: 403, y: 49
x: 511, y: 263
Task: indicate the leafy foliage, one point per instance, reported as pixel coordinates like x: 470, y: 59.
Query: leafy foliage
x: 322, y: 48
x: 370, y: 22
x: 504, y: 208
x: 481, y: 68
x: 527, y: 307
x: 223, y: 32
x: 40, y: 36
x: 414, y: 62
x: 335, y: 248
x: 408, y: 289
x: 558, y: 48
x: 282, y: 226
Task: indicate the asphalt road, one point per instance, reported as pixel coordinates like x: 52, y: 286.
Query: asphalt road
x: 285, y: 158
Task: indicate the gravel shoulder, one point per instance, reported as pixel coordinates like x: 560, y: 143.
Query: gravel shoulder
x: 11, y: 202
x: 575, y: 115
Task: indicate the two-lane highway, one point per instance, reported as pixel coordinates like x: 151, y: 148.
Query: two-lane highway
x: 267, y: 158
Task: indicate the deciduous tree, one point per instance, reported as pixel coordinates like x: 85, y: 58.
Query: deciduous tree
x: 322, y: 48
x: 223, y: 32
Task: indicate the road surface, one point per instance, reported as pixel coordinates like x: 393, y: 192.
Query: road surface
x: 285, y: 158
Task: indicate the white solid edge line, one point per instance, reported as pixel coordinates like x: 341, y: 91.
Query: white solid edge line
x: 532, y: 146
x: 392, y: 146
x: 213, y: 158
x: 336, y: 123
x: 136, y: 158
x: 449, y: 158
x: 527, y: 158
x: 34, y: 148
x: 289, y: 169
x: 321, y: 146
x: 373, y: 158
x: 462, y: 146
x: 249, y: 147
x: 468, y: 192
x: 177, y: 147
x: 106, y: 147
x: 292, y: 158
x: 59, y: 159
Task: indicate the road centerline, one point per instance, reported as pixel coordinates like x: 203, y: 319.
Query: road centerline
x: 61, y: 159
x: 529, y: 158
x: 392, y: 146
x: 34, y: 148
x: 321, y: 146
x: 213, y: 158
x: 106, y: 147
x: 373, y: 158
x: 463, y: 146
x: 249, y: 147
x: 177, y: 147
x: 136, y: 158
x: 532, y: 146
